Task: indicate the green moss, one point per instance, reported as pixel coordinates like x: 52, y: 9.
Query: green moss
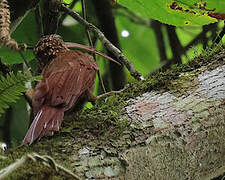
x: 102, y: 125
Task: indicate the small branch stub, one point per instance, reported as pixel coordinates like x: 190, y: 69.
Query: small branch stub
x: 46, y: 160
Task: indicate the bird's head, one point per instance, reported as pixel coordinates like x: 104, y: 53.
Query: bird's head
x: 48, y: 47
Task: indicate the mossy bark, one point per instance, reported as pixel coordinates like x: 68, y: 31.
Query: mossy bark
x: 170, y: 126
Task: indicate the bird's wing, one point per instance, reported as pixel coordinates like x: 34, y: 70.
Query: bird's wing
x: 64, y: 80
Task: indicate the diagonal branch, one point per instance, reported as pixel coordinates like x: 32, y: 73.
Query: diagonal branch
x: 157, y: 28
x: 104, y: 41
x: 221, y: 35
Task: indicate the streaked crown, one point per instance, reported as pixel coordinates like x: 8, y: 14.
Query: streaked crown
x: 48, y: 47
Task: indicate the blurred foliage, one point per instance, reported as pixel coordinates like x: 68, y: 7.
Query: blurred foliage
x: 141, y: 51
x: 137, y: 38
x: 26, y: 32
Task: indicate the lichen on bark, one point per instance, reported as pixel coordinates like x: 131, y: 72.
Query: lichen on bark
x: 169, y: 126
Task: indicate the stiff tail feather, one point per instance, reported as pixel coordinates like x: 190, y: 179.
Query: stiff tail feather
x: 46, y: 121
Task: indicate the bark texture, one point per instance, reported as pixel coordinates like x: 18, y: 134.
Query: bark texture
x: 171, y: 126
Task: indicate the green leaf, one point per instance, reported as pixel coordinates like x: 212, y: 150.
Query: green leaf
x: 12, y: 86
x: 179, y: 12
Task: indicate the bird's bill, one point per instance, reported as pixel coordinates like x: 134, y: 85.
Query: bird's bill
x: 89, y: 49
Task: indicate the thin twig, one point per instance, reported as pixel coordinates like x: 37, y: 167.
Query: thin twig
x: 104, y: 41
x: 220, y: 36
x: 63, y: 16
x: 85, y: 18
x: 24, y: 59
x: 91, y: 44
x: 12, y: 167
x: 47, y: 160
x: 30, y: 47
x: 112, y: 92
x: 51, y: 162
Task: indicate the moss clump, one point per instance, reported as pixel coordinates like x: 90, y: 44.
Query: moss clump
x: 104, y: 119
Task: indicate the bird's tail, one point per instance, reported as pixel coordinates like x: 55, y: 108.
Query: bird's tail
x: 46, y: 121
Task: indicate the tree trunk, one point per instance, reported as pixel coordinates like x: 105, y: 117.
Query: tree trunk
x: 170, y: 126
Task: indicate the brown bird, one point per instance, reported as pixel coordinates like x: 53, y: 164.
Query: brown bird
x: 67, y: 84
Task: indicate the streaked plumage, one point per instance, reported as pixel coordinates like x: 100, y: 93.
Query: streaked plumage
x: 68, y: 78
